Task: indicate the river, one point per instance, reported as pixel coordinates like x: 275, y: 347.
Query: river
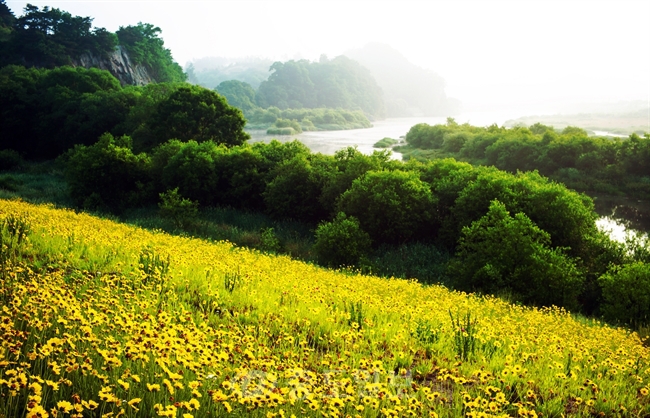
x: 328, y: 142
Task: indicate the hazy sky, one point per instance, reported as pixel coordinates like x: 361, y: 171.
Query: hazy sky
x: 514, y: 53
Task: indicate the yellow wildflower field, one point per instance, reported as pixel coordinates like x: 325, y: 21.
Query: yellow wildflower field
x: 104, y: 319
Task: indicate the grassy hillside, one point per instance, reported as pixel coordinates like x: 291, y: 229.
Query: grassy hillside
x: 98, y: 318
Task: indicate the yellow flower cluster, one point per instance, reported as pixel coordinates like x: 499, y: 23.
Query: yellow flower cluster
x: 87, y: 328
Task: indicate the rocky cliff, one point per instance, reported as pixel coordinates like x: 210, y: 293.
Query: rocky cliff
x: 119, y: 64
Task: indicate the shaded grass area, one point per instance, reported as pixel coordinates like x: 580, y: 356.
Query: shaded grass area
x: 244, y: 229
x: 45, y: 183
x: 36, y: 183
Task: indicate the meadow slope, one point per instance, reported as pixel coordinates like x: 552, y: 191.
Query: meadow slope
x: 103, y: 319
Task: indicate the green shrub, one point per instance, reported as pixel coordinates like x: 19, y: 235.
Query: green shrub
x: 394, y: 207
x: 341, y: 242
x: 107, y: 174
x: 385, y: 143
x: 181, y: 211
x: 626, y: 294
x: 503, y: 253
x: 281, y: 131
x: 269, y: 241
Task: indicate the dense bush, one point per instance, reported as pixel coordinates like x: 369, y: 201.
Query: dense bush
x: 502, y: 253
x: 567, y: 216
x: 193, y: 170
x: 47, y: 112
x: 192, y: 112
x: 626, y: 294
x: 394, y: 207
x: 341, y: 242
x: 294, y: 188
x: 181, y: 211
x: 106, y: 175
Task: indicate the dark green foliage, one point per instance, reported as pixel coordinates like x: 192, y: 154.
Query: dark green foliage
x: 341, y: 242
x: 51, y: 37
x: 351, y: 164
x: 500, y: 252
x: 394, y: 207
x: 567, y: 216
x: 192, y: 112
x: 181, y: 211
x: 295, y: 186
x: 145, y: 47
x: 10, y: 160
x: 46, y: 112
x: 626, y: 294
x: 422, y: 261
x: 193, y: 170
x: 106, y: 175
x: 245, y: 172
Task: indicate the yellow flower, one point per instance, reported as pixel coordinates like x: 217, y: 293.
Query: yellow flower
x: 134, y: 402
x: 64, y: 406
x: 193, y: 404
x: 92, y: 405
x: 124, y: 384
x: 37, y: 412
x: 153, y: 388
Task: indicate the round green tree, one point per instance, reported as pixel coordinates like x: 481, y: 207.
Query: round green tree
x: 394, y: 207
x: 341, y: 242
x: 193, y: 112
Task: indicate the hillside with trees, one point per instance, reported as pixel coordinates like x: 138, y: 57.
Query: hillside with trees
x: 50, y: 37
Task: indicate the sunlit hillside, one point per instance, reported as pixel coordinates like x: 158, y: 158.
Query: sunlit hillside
x: 103, y: 319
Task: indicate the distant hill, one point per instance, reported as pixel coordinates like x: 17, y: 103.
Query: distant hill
x: 409, y: 90
x: 336, y: 83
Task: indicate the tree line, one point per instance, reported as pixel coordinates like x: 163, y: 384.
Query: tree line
x: 571, y: 156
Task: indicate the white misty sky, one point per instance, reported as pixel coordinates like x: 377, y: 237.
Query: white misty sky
x: 492, y: 53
